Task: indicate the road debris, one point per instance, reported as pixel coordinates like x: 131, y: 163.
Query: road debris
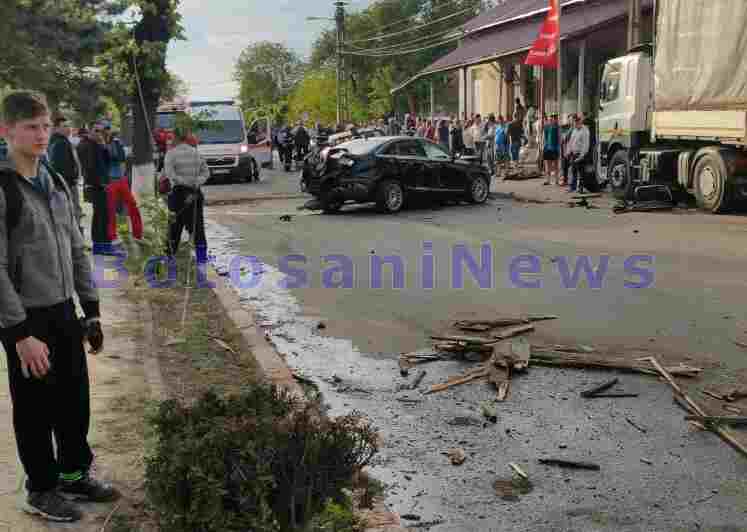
x: 464, y: 421
x: 636, y: 425
x: 487, y: 325
x: 694, y: 408
x: 513, y: 331
x: 456, y: 456
x: 418, y: 380
x: 647, y: 461
x: 510, y: 489
x: 733, y: 409
x: 518, y: 470
x: 600, y: 388
x: 507, y: 358
x: 570, y: 464
x: 473, y: 374
x: 579, y: 361
x: 489, y: 412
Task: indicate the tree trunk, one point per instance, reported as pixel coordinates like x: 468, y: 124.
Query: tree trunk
x: 143, y: 141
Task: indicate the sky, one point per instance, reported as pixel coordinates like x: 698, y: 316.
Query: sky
x: 218, y: 30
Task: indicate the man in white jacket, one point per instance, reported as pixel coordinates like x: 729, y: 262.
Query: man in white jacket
x: 578, y: 150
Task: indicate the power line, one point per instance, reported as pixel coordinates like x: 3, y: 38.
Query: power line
x: 437, y: 35
x: 404, y: 52
x: 411, y: 17
x: 458, y: 13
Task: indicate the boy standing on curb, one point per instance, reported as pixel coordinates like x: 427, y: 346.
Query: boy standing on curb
x: 43, y: 264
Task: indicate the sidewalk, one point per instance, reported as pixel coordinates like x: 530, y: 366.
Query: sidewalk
x: 535, y: 191
x: 120, y: 386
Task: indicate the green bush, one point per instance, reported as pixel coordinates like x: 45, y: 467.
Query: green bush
x: 257, y: 461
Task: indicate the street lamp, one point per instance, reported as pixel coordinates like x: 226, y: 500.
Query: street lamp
x: 339, y: 20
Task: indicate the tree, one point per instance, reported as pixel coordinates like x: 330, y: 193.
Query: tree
x: 315, y: 95
x: 134, y: 65
x: 267, y: 72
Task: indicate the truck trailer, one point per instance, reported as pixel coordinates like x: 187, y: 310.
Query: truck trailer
x: 673, y: 113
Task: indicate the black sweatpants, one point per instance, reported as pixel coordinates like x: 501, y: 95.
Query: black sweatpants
x: 100, y: 220
x: 57, y: 406
x: 184, y: 217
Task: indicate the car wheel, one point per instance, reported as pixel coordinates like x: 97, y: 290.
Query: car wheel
x: 332, y: 207
x: 617, y: 173
x: 478, y: 190
x: 710, y: 183
x: 390, y: 196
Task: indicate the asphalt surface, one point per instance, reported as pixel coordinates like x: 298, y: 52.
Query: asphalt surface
x: 669, y: 477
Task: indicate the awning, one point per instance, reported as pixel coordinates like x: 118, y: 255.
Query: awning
x: 507, y: 39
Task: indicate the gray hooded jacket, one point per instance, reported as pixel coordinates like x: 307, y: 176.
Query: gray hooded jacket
x: 43, y: 261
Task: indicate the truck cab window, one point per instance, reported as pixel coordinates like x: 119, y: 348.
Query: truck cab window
x: 611, y: 82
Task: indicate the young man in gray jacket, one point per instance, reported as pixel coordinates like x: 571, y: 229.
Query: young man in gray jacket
x: 43, y: 265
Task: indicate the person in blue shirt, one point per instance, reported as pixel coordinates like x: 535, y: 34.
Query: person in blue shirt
x: 551, y: 151
x: 501, y: 144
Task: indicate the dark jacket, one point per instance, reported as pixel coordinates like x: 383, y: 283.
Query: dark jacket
x: 443, y: 134
x: 515, y: 132
x: 457, y: 142
x: 62, y: 159
x: 94, y: 162
x: 43, y: 258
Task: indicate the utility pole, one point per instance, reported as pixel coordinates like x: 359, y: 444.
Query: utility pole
x: 340, y: 21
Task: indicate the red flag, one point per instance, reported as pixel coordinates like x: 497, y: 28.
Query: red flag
x: 544, y: 51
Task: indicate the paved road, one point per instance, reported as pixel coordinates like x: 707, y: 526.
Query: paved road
x: 693, y: 311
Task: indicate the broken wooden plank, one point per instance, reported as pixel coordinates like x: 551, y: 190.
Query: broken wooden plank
x: 521, y: 350
x: 723, y: 433
x: 569, y: 464
x: 736, y: 395
x: 589, y: 362
x: 476, y: 327
x: 456, y: 382
x: 733, y: 409
x: 733, y: 421
x: 714, y: 395
x: 600, y: 388
x: 513, y: 331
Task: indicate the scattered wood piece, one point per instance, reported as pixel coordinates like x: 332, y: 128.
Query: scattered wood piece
x: 457, y: 456
x: 518, y: 471
x: 714, y: 395
x: 513, y: 331
x: 500, y: 367
x: 521, y: 351
x: 740, y: 344
x: 733, y: 421
x: 736, y: 395
x: 475, y: 327
x: 635, y: 425
x: 225, y: 346
x: 404, y: 366
x: 647, y: 461
x: 486, y: 325
x: 457, y: 381
x: 418, y: 380
x: 569, y: 464
x: 733, y: 409
x: 579, y: 361
x: 600, y: 388
x: 542, y: 317
x: 723, y: 433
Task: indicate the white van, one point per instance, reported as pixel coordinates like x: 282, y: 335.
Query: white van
x: 227, y: 148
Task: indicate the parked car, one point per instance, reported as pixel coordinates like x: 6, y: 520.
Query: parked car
x: 389, y: 171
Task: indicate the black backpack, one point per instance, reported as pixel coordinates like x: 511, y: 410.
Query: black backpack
x: 14, y: 198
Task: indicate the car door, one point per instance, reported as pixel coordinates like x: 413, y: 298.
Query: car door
x: 450, y: 174
x: 418, y: 171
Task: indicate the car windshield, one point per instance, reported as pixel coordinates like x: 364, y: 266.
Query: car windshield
x: 361, y: 146
x: 222, y: 132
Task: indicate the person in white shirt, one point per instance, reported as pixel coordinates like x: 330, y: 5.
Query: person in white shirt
x: 578, y: 149
x: 468, y: 138
x: 187, y: 172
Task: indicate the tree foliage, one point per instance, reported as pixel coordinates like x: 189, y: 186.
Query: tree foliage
x: 267, y: 72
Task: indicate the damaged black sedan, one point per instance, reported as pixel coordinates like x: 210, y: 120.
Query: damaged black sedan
x: 390, y: 171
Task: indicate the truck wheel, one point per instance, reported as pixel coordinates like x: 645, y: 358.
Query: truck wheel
x: 390, y: 196
x: 710, y: 183
x: 617, y: 173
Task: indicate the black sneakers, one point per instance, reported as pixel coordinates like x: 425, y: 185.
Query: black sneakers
x: 51, y: 506
x: 87, y: 489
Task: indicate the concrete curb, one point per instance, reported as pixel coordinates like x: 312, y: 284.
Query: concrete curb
x: 269, y: 361
x: 254, y: 198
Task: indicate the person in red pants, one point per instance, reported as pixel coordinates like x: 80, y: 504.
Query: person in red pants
x: 119, y: 191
